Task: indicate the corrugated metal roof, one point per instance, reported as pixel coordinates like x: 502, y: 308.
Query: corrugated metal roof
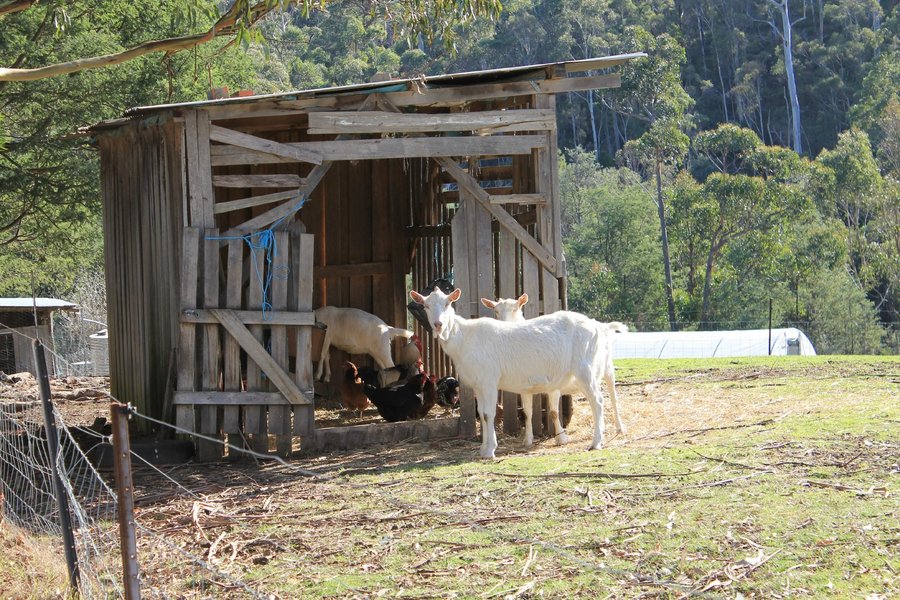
x: 40, y: 303
x: 521, y: 73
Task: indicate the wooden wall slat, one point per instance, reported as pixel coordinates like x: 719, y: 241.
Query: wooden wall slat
x: 211, y: 346
x: 187, y: 348
x: 231, y: 423
x: 255, y: 416
x: 302, y: 253
x: 280, y: 416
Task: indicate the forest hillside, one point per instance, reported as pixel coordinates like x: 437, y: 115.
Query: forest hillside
x: 752, y: 160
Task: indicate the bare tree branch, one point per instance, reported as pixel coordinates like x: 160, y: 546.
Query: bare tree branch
x: 227, y: 25
x: 8, y: 7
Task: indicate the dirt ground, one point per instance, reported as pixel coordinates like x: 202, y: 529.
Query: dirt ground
x: 222, y: 512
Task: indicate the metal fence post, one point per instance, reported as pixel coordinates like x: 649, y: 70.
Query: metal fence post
x: 125, y: 493
x: 62, y: 501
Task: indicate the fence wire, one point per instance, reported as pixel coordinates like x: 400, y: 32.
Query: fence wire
x: 169, y: 566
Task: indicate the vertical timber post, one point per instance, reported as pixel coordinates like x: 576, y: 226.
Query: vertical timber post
x: 125, y: 495
x: 62, y: 501
x: 770, y: 327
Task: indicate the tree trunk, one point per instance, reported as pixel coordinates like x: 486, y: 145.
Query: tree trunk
x: 786, y: 38
x: 664, y: 235
x: 590, y: 100
x: 707, y: 283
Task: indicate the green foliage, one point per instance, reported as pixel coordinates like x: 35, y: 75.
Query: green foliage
x: 612, y: 247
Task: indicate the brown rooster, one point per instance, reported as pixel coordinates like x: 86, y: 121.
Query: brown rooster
x: 352, y: 396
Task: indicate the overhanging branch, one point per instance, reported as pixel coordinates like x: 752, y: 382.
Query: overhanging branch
x: 225, y: 26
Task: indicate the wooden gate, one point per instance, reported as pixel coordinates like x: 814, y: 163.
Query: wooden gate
x: 244, y: 365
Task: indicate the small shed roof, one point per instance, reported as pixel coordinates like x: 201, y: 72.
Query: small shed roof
x: 520, y: 73
x: 710, y: 344
x: 26, y: 304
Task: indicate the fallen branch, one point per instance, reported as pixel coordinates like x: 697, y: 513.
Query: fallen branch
x: 595, y: 474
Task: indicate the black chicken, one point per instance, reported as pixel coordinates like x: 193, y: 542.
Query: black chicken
x: 410, y: 400
x: 448, y: 392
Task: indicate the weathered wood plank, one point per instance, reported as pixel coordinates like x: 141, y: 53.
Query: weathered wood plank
x: 232, y: 205
x: 539, y: 199
x: 302, y: 257
x: 548, y: 184
x: 251, y: 142
x: 229, y: 399
x: 199, y: 171
x: 495, y: 121
x: 253, y: 317
x: 187, y: 348
x: 209, y: 415
x: 272, y: 180
x: 258, y: 354
x: 506, y: 220
x: 280, y: 416
x: 231, y: 378
x: 389, y: 148
x: 255, y: 426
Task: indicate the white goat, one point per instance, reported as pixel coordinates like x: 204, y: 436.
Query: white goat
x: 357, y: 332
x: 559, y: 351
x: 508, y: 309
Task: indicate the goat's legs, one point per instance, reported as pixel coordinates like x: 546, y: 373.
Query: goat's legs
x: 553, y: 405
x: 383, y: 358
x: 487, y: 411
x: 324, y: 359
x: 527, y: 408
x: 610, y: 377
x: 592, y: 391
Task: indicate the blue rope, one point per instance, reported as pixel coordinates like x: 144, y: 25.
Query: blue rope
x: 264, y: 241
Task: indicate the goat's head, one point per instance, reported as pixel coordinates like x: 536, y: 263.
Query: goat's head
x: 438, y: 308
x: 507, y: 309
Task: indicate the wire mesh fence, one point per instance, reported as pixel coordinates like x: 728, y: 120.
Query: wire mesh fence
x: 171, y: 564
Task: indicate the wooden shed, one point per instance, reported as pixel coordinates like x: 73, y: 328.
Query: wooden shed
x: 227, y: 221
x: 22, y: 319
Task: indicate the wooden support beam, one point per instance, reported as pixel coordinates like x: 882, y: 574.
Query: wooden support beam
x: 540, y: 199
x: 283, y: 180
x: 498, y: 145
x: 258, y: 144
x: 258, y: 354
x: 252, y: 317
x: 471, y: 185
x: 492, y: 121
x: 232, y: 205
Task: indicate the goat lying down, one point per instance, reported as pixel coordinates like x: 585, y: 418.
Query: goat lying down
x: 559, y: 351
x: 356, y: 332
x: 509, y: 309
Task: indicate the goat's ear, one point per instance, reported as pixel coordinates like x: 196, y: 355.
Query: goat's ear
x: 454, y: 295
x: 489, y: 303
x: 523, y: 300
x: 417, y: 296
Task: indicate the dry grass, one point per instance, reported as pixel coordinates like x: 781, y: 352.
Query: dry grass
x: 30, y: 566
